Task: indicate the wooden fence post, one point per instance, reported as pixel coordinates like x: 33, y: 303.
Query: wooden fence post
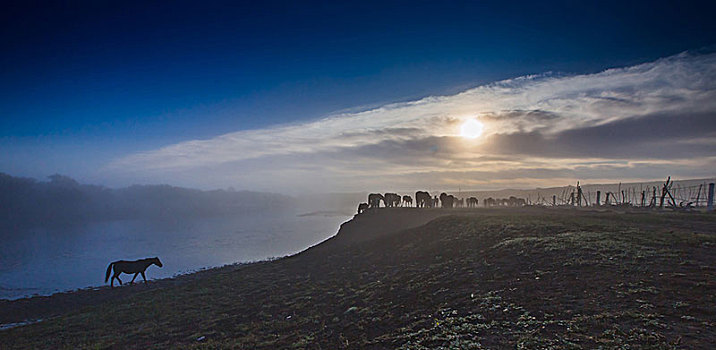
x: 643, y: 198
x: 664, y: 191
x: 710, y: 200
x: 698, y: 195
x: 599, y: 197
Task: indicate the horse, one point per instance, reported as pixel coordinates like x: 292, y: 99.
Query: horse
x: 422, y: 199
x: 391, y: 200
x: 362, y: 207
x: 374, y: 200
x: 136, y: 267
x: 447, y: 200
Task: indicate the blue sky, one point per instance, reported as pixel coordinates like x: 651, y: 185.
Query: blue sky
x: 87, y: 86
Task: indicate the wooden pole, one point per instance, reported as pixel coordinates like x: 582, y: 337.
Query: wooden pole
x: 664, y: 191
x: 599, y: 197
x: 698, y: 195
x: 710, y: 200
x: 588, y: 200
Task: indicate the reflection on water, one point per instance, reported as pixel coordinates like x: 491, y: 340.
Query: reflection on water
x: 43, y: 261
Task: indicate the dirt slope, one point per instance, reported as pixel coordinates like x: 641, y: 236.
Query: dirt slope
x: 530, y: 278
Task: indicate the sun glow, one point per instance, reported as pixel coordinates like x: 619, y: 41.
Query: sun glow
x: 471, y: 129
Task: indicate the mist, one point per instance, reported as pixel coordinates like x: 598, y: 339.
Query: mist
x: 62, y: 200
x: 77, y: 229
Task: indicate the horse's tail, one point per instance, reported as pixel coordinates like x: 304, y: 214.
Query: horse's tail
x: 109, y: 270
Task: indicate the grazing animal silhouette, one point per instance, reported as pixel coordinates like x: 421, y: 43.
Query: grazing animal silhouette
x: 460, y: 203
x: 447, y: 200
x: 136, y: 267
x: 391, y: 200
x: 396, y: 200
x: 407, y: 201
x: 505, y: 202
x: 516, y: 202
x: 423, y: 200
x: 362, y: 207
x: 374, y: 200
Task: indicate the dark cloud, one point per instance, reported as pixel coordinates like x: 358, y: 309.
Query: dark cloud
x: 534, y: 115
x: 397, y: 132
x: 653, y: 127
x: 660, y: 136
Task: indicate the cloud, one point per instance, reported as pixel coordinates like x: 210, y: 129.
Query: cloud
x: 658, y: 136
x: 649, y: 114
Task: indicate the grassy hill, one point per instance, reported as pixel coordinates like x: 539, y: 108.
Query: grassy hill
x: 414, y: 279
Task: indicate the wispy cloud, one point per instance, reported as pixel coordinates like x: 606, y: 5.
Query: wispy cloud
x: 621, y: 123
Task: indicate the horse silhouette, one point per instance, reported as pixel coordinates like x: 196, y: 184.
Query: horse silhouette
x: 407, y: 201
x: 505, y: 202
x: 362, y: 207
x: 422, y: 199
x: 391, y: 200
x: 374, y: 200
x: 136, y: 267
x: 447, y: 200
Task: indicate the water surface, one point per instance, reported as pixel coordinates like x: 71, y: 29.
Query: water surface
x: 47, y: 260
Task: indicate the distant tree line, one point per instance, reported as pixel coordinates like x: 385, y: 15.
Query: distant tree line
x: 62, y: 200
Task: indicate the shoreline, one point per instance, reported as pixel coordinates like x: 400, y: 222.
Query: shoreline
x: 28, y: 310
x: 405, y: 277
x: 24, y: 310
x: 46, y: 262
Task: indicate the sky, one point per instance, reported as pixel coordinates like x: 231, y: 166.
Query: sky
x: 329, y: 97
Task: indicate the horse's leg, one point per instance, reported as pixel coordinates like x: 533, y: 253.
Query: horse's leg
x: 145, y: 277
x: 135, y: 276
x: 117, y: 277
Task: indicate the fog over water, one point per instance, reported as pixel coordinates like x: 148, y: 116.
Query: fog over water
x: 60, y: 235
x: 47, y: 260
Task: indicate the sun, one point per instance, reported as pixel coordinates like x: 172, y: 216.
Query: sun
x: 471, y: 129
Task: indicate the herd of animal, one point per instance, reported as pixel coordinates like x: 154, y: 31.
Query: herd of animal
x: 423, y: 199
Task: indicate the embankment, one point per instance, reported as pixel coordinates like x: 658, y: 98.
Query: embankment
x: 412, y: 279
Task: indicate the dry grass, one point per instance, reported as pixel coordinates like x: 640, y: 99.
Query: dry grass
x: 524, y: 279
